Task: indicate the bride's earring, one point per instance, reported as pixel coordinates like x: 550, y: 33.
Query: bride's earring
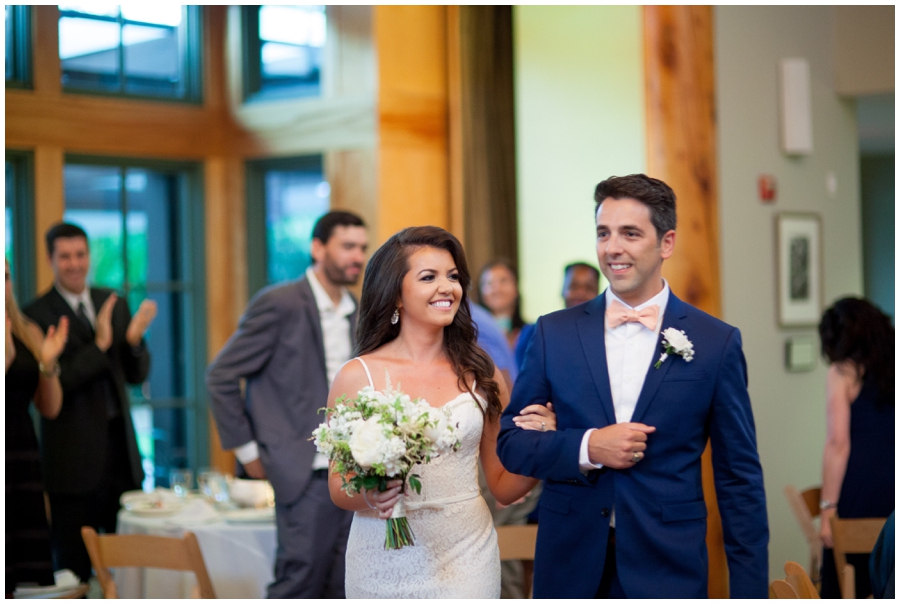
x: 395, y: 318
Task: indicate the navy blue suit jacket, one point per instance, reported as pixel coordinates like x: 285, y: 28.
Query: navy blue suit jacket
x: 659, y: 506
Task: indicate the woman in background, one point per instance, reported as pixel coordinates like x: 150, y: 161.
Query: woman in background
x: 858, y: 462
x: 32, y: 373
x: 498, y: 291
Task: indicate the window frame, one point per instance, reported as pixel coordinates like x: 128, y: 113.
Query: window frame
x: 257, y: 238
x: 193, y: 256
x: 25, y: 257
x: 191, y: 64
x: 251, y: 57
x: 22, y: 55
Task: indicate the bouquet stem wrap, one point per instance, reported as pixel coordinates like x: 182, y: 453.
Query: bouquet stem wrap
x: 398, y: 532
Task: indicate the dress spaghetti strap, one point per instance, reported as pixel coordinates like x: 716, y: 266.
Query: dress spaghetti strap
x: 368, y: 374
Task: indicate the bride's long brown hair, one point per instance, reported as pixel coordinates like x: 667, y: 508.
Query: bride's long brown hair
x: 381, y: 291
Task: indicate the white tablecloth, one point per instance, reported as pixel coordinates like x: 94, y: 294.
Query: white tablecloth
x: 240, y: 558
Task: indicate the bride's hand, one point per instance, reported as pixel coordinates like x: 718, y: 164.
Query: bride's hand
x: 384, y: 502
x: 537, y: 417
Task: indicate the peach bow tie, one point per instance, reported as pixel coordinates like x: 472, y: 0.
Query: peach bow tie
x: 618, y: 313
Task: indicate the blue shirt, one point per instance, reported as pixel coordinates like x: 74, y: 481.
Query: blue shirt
x: 492, y: 340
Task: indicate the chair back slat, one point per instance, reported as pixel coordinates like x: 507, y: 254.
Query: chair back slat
x: 145, y: 551
x: 805, y: 506
x: 852, y: 536
x: 781, y: 590
x: 796, y: 576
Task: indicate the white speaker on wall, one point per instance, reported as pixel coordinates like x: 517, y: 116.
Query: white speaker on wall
x: 796, y: 107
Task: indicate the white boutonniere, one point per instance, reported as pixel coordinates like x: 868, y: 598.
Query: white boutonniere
x: 675, y: 342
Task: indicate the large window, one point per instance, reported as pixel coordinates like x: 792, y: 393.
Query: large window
x: 283, y: 50
x: 145, y: 232
x: 20, y: 223
x: 142, y: 49
x: 18, y: 46
x: 285, y: 197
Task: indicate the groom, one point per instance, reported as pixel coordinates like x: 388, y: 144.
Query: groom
x: 622, y: 513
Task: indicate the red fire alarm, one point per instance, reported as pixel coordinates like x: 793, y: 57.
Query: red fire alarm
x: 768, y: 188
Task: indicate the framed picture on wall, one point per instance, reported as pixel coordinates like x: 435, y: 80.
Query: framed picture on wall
x: 799, y: 239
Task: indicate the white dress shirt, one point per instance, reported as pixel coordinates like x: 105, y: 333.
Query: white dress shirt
x: 73, y: 299
x: 630, y: 347
x: 335, y: 323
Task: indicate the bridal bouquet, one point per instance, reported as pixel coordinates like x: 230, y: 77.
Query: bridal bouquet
x: 379, y: 436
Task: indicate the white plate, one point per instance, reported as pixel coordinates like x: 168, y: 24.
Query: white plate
x: 48, y: 591
x: 150, y: 508
x: 248, y: 515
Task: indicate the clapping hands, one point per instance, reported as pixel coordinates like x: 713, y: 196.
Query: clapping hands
x: 140, y: 322
x: 54, y: 342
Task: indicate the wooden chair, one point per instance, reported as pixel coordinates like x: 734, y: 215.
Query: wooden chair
x: 145, y: 551
x: 852, y: 536
x: 805, y: 506
x: 796, y: 577
x: 782, y: 590
x: 517, y: 542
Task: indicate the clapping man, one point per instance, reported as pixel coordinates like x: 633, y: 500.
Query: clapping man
x: 288, y: 347
x: 623, y: 513
x: 89, y: 451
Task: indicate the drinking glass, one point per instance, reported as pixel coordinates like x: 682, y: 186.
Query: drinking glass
x: 181, y: 480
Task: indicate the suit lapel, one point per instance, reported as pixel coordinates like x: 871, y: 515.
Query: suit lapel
x: 312, y: 311
x: 675, y: 316
x: 591, y: 331
x: 59, y: 308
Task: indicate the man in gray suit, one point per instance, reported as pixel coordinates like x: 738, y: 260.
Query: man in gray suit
x: 288, y: 347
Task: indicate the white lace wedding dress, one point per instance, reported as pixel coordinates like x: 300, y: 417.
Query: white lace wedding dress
x: 455, y: 553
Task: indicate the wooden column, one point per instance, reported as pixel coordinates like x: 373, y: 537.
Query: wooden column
x: 412, y: 119
x: 681, y: 149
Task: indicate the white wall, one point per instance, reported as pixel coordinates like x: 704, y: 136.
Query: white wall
x: 789, y: 407
x: 579, y: 95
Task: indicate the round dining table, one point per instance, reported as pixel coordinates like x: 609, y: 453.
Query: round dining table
x: 238, y: 549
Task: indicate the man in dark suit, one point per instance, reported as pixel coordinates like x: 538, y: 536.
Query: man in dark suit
x: 288, y: 347
x: 89, y: 451
x: 622, y: 513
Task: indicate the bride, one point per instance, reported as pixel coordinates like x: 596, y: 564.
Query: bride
x: 416, y: 330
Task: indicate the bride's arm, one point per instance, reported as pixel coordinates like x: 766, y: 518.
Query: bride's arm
x: 505, y: 486
x: 349, y: 380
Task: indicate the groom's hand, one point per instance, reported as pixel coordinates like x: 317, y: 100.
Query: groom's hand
x: 614, y: 446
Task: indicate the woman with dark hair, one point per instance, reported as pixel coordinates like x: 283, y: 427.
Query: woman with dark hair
x: 32, y: 374
x: 415, y: 330
x: 498, y: 291
x: 858, y: 462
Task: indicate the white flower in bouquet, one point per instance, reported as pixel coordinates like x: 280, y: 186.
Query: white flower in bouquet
x: 379, y: 436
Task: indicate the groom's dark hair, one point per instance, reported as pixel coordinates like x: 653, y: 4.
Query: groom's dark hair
x: 653, y: 193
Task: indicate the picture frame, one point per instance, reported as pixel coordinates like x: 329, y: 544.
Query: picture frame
x: 799, y: 243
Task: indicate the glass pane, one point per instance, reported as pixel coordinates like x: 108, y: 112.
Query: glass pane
x: 151, y: 199
x: 93, y: 203
x: 10, y: 196
x: 162, y: 442
x: 299, y: 25
x: 293, y: 38
x: 152, y: 60
x: 101, y: 9
x: 89, y: 53
x: 143, y: 52
x: 10, y: 43
x: 294, y: 201
x: 147, y: 12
